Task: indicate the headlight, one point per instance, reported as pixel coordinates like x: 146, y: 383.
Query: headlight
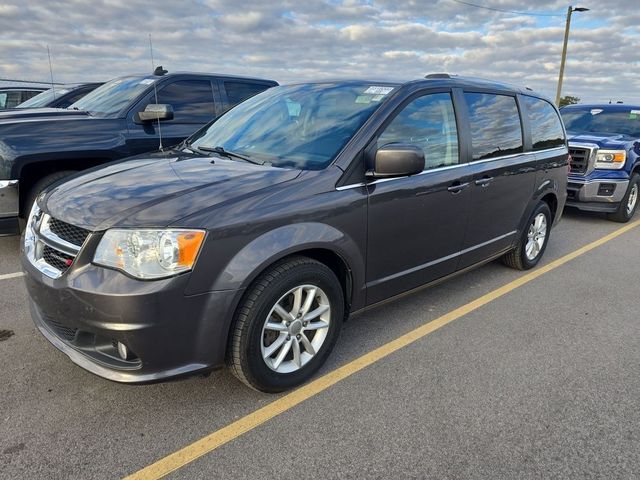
x: 149, y: 254
x: 611, y: 159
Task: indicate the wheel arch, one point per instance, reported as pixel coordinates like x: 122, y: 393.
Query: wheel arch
x: 322, y: 242
x: 551, y: 199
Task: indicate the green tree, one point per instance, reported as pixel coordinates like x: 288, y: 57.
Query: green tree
x: 568, y: 100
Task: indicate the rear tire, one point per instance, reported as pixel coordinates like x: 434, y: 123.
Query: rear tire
x: 533, y: 241
x: 629, y: 203
x: 286, y: 325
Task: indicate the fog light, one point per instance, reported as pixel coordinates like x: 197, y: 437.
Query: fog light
x: 606, y: 189
x: 123, y: 351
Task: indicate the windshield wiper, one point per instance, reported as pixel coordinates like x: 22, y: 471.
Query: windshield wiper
x: 193, y: 148
x: 229, y: 154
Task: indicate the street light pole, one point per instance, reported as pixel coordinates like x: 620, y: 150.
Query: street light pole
x: 570, y: 10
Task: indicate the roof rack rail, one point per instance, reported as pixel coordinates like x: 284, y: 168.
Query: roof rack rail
x: 438, y: 75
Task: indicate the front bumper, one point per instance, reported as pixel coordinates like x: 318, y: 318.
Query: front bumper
x: 599, y: 194
x: 88, y: 309
x: 9, y: 206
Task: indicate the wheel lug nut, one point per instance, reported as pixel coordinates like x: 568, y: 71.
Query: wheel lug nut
x: 298, y: 337
x: 288, y: 337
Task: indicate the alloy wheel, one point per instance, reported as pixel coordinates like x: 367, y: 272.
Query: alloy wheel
x: 295, y: 329
x: 536, y: 236
x: 633, y: 199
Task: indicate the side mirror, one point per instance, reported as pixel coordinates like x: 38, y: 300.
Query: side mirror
x: 155, y: 112
x: 397, y: 160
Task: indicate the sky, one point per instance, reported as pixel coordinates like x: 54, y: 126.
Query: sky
x: 294, y: 40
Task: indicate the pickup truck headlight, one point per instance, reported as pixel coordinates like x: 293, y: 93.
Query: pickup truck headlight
x: 611, y: 159
x: 149, y: 254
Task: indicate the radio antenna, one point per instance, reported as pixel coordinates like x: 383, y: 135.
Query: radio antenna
x: 155, y: 92
x: 53, y: 89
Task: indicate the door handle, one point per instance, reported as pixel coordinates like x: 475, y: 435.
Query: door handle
x: 457, y: 187
x: 484, y: 181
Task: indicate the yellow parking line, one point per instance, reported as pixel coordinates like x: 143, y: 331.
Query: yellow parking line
x: 7, y: 276
x: 226, y: 434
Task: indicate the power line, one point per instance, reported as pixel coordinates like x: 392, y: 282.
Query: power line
x: 531, y: 14
x: 14, y: 80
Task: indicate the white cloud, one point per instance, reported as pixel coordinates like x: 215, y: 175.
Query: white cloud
x: 291, y: 40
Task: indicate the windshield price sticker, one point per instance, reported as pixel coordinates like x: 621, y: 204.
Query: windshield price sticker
x: 373, y: 90
x: 147, y: 81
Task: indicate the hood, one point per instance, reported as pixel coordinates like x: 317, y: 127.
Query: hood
x: 37, y: 113
x: 156, y: 190
x: 603, y: 140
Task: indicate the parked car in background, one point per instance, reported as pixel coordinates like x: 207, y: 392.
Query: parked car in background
x: 123, y: 117
x: 11, y: 97
x: 60, y: 97
x: 604, y: 142
x: 254, y: 239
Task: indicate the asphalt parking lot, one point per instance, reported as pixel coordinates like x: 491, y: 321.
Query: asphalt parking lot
x: 540, y: 381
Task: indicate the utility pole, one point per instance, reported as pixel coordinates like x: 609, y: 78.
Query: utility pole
x: 570, y: 10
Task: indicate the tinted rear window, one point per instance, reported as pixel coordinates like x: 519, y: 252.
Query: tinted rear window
x: 495, y: 125
x: 546, y: 128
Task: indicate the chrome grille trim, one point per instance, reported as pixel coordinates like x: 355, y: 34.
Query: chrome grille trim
x: 591, y: 150
x: 53, y: 240
x: 39, y: 237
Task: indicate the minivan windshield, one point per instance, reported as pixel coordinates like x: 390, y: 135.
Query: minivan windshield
x: 43, y: 99
x: 113, y: 96
x: 301, y: 126
x: 624, y: 121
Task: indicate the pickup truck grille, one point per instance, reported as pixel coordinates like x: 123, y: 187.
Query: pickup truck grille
x: 579, y: 159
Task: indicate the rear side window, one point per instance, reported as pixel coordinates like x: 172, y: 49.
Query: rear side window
x: 546, y: 128
x: 10, y: 99
x: 239, y: 91
x: 192, y: 100
x: 495, y: 125
x: 428, y: 122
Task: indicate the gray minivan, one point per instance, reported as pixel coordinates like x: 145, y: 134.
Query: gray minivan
x: 252, y: 241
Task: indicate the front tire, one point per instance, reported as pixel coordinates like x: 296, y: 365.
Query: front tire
x: 533, y: 241
x: 629, y: 203
x: 34, y: 191
x: 286, y: 325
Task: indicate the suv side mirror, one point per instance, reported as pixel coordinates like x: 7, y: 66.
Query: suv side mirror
x: 397, y: 160
x: 156, y: 111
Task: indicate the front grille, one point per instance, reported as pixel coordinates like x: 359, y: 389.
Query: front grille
x: 56, y: 258
x: 579, y: 159
x: 64, y: 332
x: 68, y: 232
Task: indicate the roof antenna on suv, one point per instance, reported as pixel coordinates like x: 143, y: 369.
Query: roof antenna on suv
x: 155, y: 90
x: 53, y: 89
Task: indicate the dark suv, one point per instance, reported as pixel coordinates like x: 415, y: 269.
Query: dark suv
x: 126, y: 116
x: 254, y: 239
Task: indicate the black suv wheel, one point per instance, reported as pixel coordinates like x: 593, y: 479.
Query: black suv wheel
x: 629, y: 203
